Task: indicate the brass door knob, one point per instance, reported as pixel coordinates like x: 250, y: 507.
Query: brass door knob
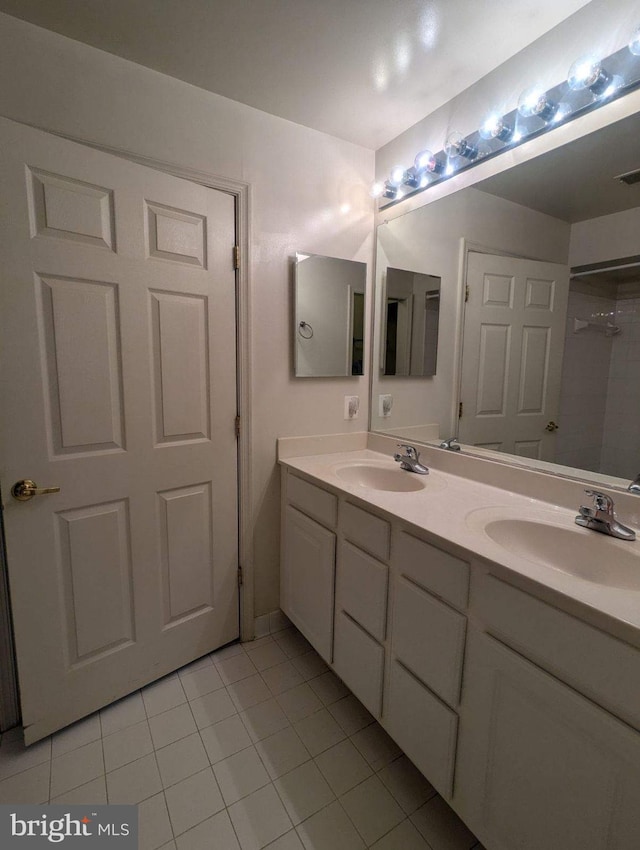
x: 551, y: 426
x: 26, y: 489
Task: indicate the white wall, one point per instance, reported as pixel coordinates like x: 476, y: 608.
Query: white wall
x: 300, y: 181
x: 607, y: 237
x: 428, y: 241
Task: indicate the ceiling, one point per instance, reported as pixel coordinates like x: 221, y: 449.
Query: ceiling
x: 577, y: 181
x: 361, y: 70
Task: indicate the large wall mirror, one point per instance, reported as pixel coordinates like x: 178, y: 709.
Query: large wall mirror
x: 329, y: 313
x: 538, y: 353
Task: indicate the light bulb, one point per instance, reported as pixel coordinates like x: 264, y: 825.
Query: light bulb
x: 457, y: 145
x: 535, y: 102
x: 426, y: 161
x: 397, y: 175
x: 377, y: 190
x: 634, y: 44
x: 588, y: 73
x: 495, y: 128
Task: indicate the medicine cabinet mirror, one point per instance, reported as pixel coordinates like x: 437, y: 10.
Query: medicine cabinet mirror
x: 539, y: 312
x: 329, y: 323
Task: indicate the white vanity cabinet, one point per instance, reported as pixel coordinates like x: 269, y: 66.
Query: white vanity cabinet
x: 525, y: 717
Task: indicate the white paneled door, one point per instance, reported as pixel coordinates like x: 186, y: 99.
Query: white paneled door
x: 118, y: 354
x: 514, y: 329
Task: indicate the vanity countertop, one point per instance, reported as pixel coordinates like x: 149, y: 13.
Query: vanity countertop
x: 457, y: 511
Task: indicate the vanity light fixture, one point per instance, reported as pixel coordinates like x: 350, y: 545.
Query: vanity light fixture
x: 396, y: 178
x: 457, y: 145
x: 388, y: 190
x: 384, y: 190
x: 495, y: 127
x: 535, y: 101
x: 590, y: 82
x: 411, y: 178
x: 426, y: 161
x: 588, y: 73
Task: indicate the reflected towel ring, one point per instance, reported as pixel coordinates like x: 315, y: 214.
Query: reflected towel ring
x: 305, y: 330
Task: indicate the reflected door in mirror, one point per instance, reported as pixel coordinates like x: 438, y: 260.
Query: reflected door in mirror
x: 514, y: 330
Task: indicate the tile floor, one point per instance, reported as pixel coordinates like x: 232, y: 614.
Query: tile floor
x: 256, y: 745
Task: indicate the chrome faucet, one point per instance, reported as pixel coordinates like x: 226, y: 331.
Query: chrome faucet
x: 449, y: 444
x: 634, y: 487
x: 411, y: 460
x: 601, y: 517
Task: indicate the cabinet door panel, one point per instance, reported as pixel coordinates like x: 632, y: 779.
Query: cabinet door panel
x: 359, y: 661
x: 423, y: 726
x: 307, y: 579
x: 538, y: 765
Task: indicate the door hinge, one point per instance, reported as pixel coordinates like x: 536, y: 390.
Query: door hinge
x: 236, y: 256
x: 466, y: 293
x: 237, y: 426
x: 460, y: 411
x: 240, y: 582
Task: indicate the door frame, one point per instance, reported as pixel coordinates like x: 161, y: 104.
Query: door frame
x: 241, y: 192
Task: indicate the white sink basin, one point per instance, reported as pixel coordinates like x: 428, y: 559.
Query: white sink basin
x: 562, y: 545
x: 381, y: 476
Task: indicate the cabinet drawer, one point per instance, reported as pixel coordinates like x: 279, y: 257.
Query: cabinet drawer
x: 593, y: 662
x: 312, y: 500
x: 422, y: 726
x: 430, y: 567
x: 428, y: 638
x: 367, y: 531
x: 361, y: 589
x: 359, y: 661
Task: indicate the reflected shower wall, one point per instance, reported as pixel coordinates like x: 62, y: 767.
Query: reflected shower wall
x: 600, y: 393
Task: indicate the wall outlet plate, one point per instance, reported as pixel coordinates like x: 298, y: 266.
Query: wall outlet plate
x: 351, y: 406
x: 385, y: 403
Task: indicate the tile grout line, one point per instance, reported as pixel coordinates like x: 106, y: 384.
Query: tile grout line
x: 226, y: 808
x: 155, y: 758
